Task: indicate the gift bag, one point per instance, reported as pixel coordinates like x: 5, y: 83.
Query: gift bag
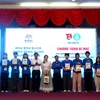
x: 46, y: 79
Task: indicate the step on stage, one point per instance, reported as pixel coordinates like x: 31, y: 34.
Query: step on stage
x: 50, y: 96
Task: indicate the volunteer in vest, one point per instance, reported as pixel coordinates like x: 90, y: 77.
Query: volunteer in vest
x: 26, y: 64
x: 46, y: 79
x: 97, y: 74
x: 5, y: 63
x: 88, y: 63
x: 36, y: 63
x: 77, y: 64
x: 15, y: 63
x: 56, y: 66
x: 67, y: 65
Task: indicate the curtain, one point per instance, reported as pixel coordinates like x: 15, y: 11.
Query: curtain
x: 57, y: 16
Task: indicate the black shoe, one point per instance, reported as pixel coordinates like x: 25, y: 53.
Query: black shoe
x: 89, y: 91
x: 13, y: 91
x: 54, y: 91
x: 33, y: 90
x: 16, y: 91
x: 38, y: 91
x: 59, y: 91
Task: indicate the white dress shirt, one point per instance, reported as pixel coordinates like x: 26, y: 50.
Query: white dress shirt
x: 33, y: 61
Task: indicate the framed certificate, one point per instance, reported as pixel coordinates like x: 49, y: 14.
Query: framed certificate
x: 24, y: 61
x: 14, y: 61
x: 25, y: 68
x: 46, y: 79
x: 78, y: 67
x: 15, y: 67
x: 67, y: 66
x: 88, y: 65
x: 5, y: 68
x: 4, y: 62
x: 98, y: 72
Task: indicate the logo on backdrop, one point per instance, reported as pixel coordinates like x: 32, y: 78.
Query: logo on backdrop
x: 28, y: 38
x: 76, y: 36
x: 69, y: 36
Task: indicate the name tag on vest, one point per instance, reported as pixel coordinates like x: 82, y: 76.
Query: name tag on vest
x: 24, y: 61
x: 25, y: 68
x: 5, y: 68
x: 15, y: 67
x: 4, y: 62
x: 14, y: 61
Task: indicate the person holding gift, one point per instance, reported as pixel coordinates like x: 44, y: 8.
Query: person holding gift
x: 36, y: 63
x: 15, y: 63
x: 56, y: 66
x: 26, y: 64
x: 46, y: 79
x: 97, y: 74
x: 77, y: 73
x: 88, y: 63
x: 5, y: 63
x: 67, y: 66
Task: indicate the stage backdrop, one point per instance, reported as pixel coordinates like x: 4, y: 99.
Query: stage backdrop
x: 50, y: 41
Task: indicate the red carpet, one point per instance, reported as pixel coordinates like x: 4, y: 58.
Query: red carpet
x: 50, y: 96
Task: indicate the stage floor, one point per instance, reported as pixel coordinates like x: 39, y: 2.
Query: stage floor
x: 49, y: 96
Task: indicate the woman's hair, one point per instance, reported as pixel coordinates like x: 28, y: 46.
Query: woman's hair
x: 25, y: 54
x: 44, y: 58
x: 96, y: 60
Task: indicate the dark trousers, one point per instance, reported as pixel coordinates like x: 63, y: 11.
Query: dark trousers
x: 67, y: 81
x: 4, y: 81
x: 35, y: 80
x: 88, y: 81
x: 26, y: 81
x: 15, y: 82
x: 57, y: 80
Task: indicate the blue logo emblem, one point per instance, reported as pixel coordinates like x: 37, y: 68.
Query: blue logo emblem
x: 76, y: 36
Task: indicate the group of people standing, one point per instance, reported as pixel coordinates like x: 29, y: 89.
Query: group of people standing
x: 45, y: 82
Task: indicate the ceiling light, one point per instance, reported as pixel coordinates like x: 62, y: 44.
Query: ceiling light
x: 34, y: 4
x: 90, y: 4
x: 59, y: 4
x: 63, y: 4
